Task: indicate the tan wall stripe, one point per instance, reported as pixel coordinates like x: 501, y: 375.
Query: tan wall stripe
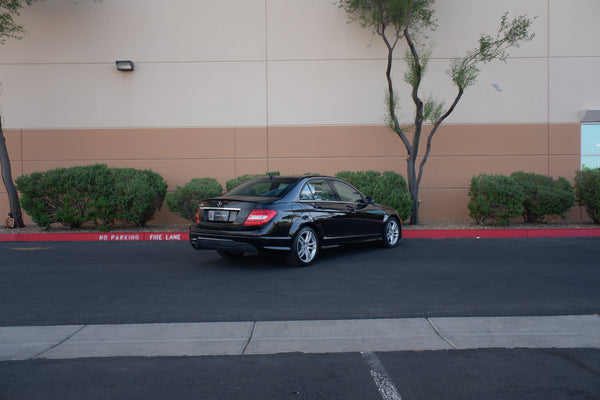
x: 180, y: 154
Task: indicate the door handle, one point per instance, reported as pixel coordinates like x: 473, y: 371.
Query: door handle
x: 318, y: 206
x: 351, y: 209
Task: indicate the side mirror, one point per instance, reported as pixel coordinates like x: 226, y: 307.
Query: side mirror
x: 370, y: 200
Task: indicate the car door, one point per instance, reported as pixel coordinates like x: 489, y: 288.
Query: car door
x: 325, y: 208
x: 360, y: 217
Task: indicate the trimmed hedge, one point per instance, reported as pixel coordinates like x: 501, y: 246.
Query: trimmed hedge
x: 495, y: 199
x: 587, y: 187
x: 389, y: 188
x: 137, y: 194
x: 184, y: 200
x: 544, y: 196
x: 91, y: 194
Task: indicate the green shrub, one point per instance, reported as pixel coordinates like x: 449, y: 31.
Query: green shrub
x: 495, y: 199
x: 91, y: 194
x: 389, y: 188
x: 137, y: 194
x: 362, y: 180
x: 230, y: 184
x: 184, y: 200
x: 544, y: 196
x: 587, y: 187
x: 64, y: 195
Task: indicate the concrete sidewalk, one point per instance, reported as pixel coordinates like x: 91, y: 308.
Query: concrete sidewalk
x: 272, y: 337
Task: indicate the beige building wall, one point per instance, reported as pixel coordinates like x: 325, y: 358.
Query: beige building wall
x: 226, y: 88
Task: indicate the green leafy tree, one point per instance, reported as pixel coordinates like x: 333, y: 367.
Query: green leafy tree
x: 397, y: 21
x: 10, y: 29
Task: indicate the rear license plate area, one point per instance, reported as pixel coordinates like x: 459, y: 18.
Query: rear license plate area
x: 221, y: 215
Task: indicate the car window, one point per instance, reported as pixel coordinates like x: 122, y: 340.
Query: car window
x: 308, y: 192
x: 347, y: 193
x: 264, y: 187
x: 317, y: 190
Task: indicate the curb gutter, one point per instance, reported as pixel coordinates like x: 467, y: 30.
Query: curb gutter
x: 406, y: 234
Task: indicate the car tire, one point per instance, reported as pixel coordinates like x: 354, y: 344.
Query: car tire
x: 305, y: 248
x: 391, y: 233
x: 229, y: 254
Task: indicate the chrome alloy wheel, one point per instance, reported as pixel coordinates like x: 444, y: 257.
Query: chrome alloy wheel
x: 306, y: 246
x: 392, y: 232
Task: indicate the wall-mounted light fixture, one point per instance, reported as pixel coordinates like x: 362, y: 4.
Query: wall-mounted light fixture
x: 124, y: 65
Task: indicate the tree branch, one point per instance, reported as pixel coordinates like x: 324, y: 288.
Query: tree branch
x: 391, y: 94
x: 434, y: 130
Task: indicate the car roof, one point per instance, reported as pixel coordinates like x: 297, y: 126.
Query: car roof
x: 298, y: 177
x: 301, y: 176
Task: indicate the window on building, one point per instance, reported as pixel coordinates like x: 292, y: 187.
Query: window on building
x: 590, y: 139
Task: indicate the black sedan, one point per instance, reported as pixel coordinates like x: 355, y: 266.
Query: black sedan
x: 292, y: 215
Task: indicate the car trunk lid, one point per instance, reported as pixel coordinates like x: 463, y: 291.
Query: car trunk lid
x: 228, y: 212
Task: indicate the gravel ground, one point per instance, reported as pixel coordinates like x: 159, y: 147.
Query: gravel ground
x: 435, y: 225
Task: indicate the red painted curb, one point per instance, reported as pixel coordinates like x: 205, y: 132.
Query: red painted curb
x: 94, y: 237
x: 407, y: 234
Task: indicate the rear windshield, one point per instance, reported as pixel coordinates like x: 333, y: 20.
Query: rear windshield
x: 264, y: 187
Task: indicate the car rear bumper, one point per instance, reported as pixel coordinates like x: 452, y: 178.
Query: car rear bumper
x: 237, y: 241
x: 205, y: 243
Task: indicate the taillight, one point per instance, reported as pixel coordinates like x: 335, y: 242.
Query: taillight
x: 259, y: 217
x: 198, y: 215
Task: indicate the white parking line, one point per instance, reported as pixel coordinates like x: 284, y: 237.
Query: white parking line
x: 384, y: 384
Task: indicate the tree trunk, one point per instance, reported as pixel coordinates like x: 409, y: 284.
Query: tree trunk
x: 13, y: 197
x: 413, y: 188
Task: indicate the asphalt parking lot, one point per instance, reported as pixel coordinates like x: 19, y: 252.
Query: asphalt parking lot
x: 119, y: 285
x: 499, y: 374
x: 65, y: 283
